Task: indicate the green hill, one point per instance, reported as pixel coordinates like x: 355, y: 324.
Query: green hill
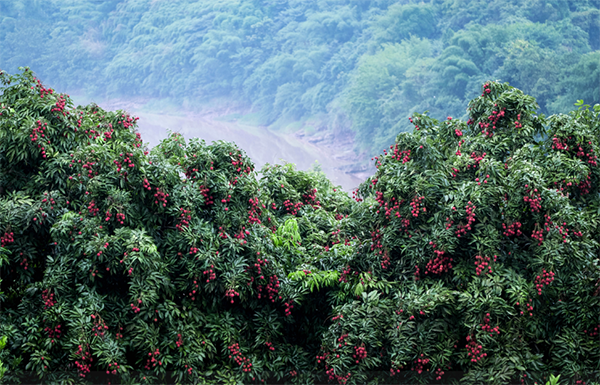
x: 374, y: 62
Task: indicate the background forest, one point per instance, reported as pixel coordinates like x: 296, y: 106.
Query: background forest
x: 363, y: 65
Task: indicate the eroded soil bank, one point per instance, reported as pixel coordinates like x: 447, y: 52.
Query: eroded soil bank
x: 262, y: 144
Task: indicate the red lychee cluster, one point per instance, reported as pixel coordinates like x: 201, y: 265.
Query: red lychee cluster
x: 323, y: 358
x: 517, y: 122
x: 108, y: 134
x: 394, y: 371
x: 152, y: 360
x: 419, y: 364
x: 120, y: 218
x: 288, y: 307
x: 254, y: 212
x: 270, y: 346
x: 343, y: 336
x: 462, y: 228
x: 119, y: 335
x: 292, y: 208
x: 538, y: 235
x: 585, y: 186
x: 534, y: 199
x: 147, y: 185
x: 231, y: 294
x: 84, y: 362
x: 564, y: 231
x: 387, y: 207
x: 238, y: 164
x: 545, y: 278
x: 272, y: 288
x: 416, y: 204
x: 486, y: 89
x: 239, y: 359
x: 99, y: 326
x: 474, y: 350
x: 211, y: 274
x: 355, y: 196
x: 482, y: 264
x: 484, y: 180
x: 52, y: 202
x: 92, y: 209
x: 53, y: 333
x: 41, y: 127
x: 559, y: 144
x: 440, y: 264
x: 138, y: 138
x: 43, y: 91
x: 242, y: 235
x: 455, y: 172
x: 385, y: 261
x: 485, y: 326
x: 195, y: 287
x: 135, y: 308
x: 112, y: 368
x: 376, y: 240
x: 401, y: 156
x: 59, y: 106
x: 493, y: 118
x: 340, y: 379
x: 184, y: 218
x: 514, y: 229
x: 449, y: 223
x: 439, y: 373
x: 344, y: 275
x: 529, y: 307
x: 48, y: 299
x: 7, y: 238
x: 226, y: 200
x: 93, y: 134
x: 360, y: 353
x: 576, y: 148
x: 310, y: 198
x: 24, y: 262
x: 127, y: 121
x: 477, y: 159
x: 128, y: 162
x: 160, y: 196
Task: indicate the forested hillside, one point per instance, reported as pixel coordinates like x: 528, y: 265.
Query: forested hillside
x: 373, y: 63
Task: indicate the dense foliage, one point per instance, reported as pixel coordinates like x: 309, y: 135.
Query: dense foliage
x: 374, y: 62
x: 474, y: 248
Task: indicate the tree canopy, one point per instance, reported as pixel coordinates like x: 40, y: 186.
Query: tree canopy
x: 473, y: 249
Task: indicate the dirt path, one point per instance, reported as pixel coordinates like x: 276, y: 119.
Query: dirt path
x: 261, y: 144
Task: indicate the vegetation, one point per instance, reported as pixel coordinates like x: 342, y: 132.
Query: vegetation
x: 374, y: 62
x: 473, y: 248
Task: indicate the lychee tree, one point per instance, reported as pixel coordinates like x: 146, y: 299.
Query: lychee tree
x: 484, y: 235
x: 473, y: 248
x: 133, y: 263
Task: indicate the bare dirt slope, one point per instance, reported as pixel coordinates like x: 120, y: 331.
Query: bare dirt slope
x: 260, y: 143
